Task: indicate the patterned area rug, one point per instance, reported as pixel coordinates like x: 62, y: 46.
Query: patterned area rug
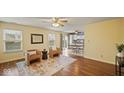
x: 44, y: 68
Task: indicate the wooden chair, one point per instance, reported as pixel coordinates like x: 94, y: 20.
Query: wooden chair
x: 32, y: 55
x: 55, y: 52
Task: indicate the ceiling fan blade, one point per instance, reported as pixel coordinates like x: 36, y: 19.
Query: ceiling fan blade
x: 63, y: 20
x: 55, y: 19
x: 61, y: 24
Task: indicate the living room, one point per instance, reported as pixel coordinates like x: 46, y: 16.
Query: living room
x: 51, y: 46
x: 26, y: 40
x: 99, y: 44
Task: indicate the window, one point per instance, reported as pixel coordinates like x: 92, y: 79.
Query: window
x: 12, y: 40
x: 51, y: 38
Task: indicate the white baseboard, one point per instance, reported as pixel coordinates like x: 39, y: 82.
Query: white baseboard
x: 105, y: 61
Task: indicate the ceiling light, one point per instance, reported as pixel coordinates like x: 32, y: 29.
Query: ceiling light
x: 55, y: 24
x: 76, y: 31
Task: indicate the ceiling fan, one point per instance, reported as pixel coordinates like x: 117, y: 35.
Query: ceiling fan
x: 57, y: 21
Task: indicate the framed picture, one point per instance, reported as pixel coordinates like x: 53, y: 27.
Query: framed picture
x: 36, y: 38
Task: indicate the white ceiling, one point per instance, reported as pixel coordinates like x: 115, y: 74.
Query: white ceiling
x: 74, y: 23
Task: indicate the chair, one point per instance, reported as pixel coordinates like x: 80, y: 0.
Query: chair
x: 32, y: 55
x: 119, y: 64
x: 54, y: 52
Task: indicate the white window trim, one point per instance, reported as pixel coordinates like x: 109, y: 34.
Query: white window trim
x: 16, y: 50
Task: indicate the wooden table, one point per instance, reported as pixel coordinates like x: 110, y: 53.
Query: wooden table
x: 44, y: 55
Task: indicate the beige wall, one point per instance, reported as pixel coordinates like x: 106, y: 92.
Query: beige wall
x: 26, y: 32
x: 100, y: 40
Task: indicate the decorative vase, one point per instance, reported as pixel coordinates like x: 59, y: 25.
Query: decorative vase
x: 120, y: 54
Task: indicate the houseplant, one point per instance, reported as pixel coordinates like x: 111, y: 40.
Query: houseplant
x: 120, y: 48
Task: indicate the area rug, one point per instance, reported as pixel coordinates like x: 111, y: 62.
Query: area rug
x: 45, y: 67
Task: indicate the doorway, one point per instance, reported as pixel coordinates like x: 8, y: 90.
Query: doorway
x: 76, y: 43
x: 73, y: 43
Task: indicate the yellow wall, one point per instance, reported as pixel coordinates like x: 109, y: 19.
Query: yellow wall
x: 26, y: 32
x: 100, y: 40
x: 122, y: 31
x: 122, y: 36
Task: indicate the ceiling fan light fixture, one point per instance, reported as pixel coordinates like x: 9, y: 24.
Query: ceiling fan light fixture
x: 76, y: 31
x: 55, y: 24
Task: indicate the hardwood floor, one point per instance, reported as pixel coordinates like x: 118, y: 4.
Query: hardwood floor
x: 87, y: 67
x: 82, y: 67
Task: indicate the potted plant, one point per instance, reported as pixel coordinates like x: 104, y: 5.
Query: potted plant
x: 120, y: 48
